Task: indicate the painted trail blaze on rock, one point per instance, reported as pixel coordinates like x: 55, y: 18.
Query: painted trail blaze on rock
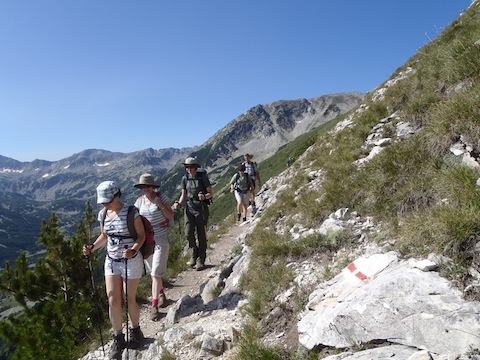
x: 400, y: 301
x: 355, y: 272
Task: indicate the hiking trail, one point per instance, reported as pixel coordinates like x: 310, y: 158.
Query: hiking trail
x: 188, y: 282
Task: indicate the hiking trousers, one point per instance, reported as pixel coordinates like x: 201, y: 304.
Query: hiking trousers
x: 195, y: 224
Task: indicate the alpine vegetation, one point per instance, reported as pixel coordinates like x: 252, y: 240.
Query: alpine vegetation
x: 364, y: 244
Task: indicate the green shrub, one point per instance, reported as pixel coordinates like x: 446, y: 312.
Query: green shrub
x: 251, y: 348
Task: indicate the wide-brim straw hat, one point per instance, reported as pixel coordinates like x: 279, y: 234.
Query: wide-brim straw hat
x: 146, y: 179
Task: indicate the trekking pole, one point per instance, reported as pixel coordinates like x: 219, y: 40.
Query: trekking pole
x: 177, y: 213
x: 95, y: 300
x: 126, y: 300
x: 235, y: 208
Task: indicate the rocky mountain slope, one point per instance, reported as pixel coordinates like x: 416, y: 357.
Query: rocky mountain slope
x: 379, y: 306
x: 375, y: 225
x: 265, y: 128
x: 31, y: 191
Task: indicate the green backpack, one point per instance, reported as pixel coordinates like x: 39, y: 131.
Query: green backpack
x: 201, y: 173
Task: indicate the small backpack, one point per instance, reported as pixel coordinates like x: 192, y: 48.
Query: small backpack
x: 148, y: 246
x: 238, y: 186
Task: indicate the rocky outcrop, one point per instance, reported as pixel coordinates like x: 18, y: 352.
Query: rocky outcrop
x: 383, y: 299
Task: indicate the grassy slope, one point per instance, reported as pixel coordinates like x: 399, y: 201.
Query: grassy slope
x: 425, y: 197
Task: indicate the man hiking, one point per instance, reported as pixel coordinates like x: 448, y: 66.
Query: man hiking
x: 197, y: 194
x: 251, y: 169
x: 241, y: 185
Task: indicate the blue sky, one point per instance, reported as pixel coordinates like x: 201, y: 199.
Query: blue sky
x: 129, y: 75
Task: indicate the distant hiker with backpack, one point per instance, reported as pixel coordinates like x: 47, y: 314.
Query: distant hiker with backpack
x: 251, y: 169
x: 155, y: 206
x: 196, y: 194
x: 241, y: 185
x: 123, y: 264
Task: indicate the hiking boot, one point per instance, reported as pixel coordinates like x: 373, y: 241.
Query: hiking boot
x: 192, y: 262
x: 200, y: 265
x: 254, y: 210
x: 244, y: 219
x: 162, y: 301
x: 154, y: 314
x: 117, y: 347
x: 239, y: 216
x: 193, y: 259
x: 135, y: 338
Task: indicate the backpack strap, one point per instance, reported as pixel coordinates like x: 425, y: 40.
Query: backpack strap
x: 131, y: 222
x: 198, y: 176
x: 200, y: 181
x: 103, y: 214
x: 185, y: 181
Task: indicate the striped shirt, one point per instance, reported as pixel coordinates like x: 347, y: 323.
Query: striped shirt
x: 153, y: 213
x: 117, y: 230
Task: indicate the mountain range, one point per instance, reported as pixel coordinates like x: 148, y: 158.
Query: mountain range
x: 367, y: 246
x: 31, y: 191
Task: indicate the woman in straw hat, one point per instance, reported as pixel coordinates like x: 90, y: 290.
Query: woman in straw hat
x: 155, y: 206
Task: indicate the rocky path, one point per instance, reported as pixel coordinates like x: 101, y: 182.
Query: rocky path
x: 189, y: 282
